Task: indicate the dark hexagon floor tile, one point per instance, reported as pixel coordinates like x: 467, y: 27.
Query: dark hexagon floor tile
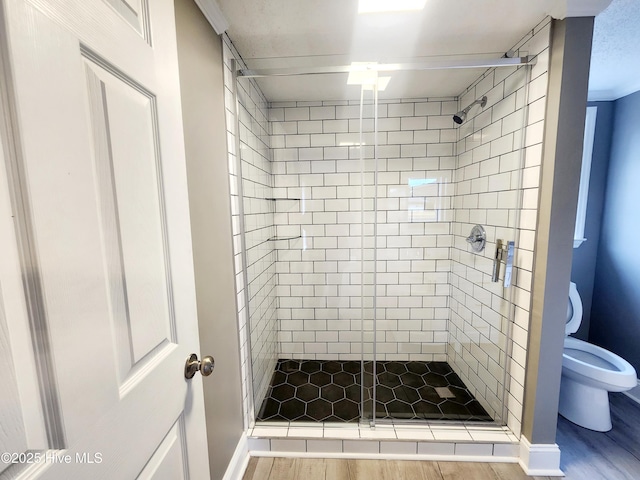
x: 344, y: 379
x: 462, y: 395
x: 278, y: 378
x: 346, y: 410
x: 477, y: 410
x: 389, y: 379
x: 270, y: 407
x: 429, y: 394
x: 397, y: 407
x: 417, y: 367
x: 332, y: 392
x: 289, y: 366
x: 400, y: 393
x: 380, y: 367
x: 310, y: 366
x: 319, y: 409
x: 381, y: 410
x: 412, y: 380
x: 366, y: 379
x: 435, y: 380
x: 303, y: 418
x: 410, y: 394
x: 454, y: 379
x: 434, y: 416
x: 297, y: 378
x: 296, y: 387
x: 331, y: 366
x: 320, y: 378
x: 423, y: 408
x: 450, y: 408
x: 307, y: 392
x: 275, y: 418
x: 283, y: 392
x: 384, y: 394
x: 396, y: 367
x: 292, y: 409
x: 442, y: 368
x: 351, y: 367
x: 353, y: 392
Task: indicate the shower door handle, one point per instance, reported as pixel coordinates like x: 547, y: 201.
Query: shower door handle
x: 495, y: 274
x: 503, y: 252
x: 509, y: 264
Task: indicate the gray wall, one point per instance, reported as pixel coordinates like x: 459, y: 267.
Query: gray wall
x: 560, y: 181
x: 583, y: 268
x: 615, y: 313
x: 203, y: 114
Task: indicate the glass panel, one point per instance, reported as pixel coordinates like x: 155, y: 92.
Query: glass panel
x: 488, y: 190
x: 362, y: 293
x: 442, y: 323
x: 367, y: 126
x: 255, y: 245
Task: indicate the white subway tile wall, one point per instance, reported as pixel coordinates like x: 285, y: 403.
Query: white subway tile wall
x: 434, y: 298
x: 488, y: 191
x: 258, y: 276
x: 319, y: 275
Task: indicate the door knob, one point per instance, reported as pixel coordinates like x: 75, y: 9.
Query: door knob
x: 192, y: 365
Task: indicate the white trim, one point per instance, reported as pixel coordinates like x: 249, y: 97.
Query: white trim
x: 585, y: 175
x: 578, y: 8
x: 211, y: 10
x: 634, y: 393
x: 239, y: 460
x: 386, y: 456
x: 540, y: 459
x: 614, y: 93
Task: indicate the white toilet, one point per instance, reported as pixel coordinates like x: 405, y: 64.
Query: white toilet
x: 589, y: 373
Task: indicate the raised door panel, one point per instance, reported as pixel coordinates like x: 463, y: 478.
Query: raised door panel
x: 130, y: 195
x: 135, y: 13
x: 166, y: 463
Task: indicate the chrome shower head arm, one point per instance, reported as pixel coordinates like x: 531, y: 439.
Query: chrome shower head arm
x: 462, y: 114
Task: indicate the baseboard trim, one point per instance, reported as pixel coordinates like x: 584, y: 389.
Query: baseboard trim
x: 239, y: 460
x: 540, y: 459
x: 386, y: 456
x: 634, y: 393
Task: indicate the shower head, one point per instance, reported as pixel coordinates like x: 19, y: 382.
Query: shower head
x: 462, y: 115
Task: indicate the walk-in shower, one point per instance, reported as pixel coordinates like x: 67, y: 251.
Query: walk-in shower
x: 364, y: 300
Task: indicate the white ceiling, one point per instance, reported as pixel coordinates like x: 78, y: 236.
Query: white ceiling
x: 615, y: 57
x: 313, y: 33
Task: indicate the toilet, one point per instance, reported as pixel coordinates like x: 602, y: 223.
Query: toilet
x: 589, y: 373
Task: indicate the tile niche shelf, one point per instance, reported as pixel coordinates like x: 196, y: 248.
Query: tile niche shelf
x: 277, y: 238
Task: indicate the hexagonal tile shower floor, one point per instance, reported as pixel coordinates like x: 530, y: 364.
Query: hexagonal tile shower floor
x: 329, y: 391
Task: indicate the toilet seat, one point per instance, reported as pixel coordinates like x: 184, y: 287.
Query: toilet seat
x: 596, y: 364
x: 601, y: 366
x: 574, y: 310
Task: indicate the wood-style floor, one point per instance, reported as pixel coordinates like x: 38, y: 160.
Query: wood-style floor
x: 586, y: 455
x: 265, y: 468
x: 614, y: 455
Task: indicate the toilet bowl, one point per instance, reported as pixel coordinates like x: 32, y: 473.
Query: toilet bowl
x: 589, y: 373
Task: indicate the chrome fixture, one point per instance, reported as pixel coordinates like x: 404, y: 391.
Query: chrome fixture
x: 477, y: 238
x: 462, y: 114
x: 440, y: 64
x: 504, y: 252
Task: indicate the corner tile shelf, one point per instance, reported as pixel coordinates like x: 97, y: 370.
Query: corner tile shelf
x: 278, y: 199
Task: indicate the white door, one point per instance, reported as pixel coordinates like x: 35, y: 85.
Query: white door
x: 97, y: 273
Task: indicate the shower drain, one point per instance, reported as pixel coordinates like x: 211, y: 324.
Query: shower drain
x: 444, y: 392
